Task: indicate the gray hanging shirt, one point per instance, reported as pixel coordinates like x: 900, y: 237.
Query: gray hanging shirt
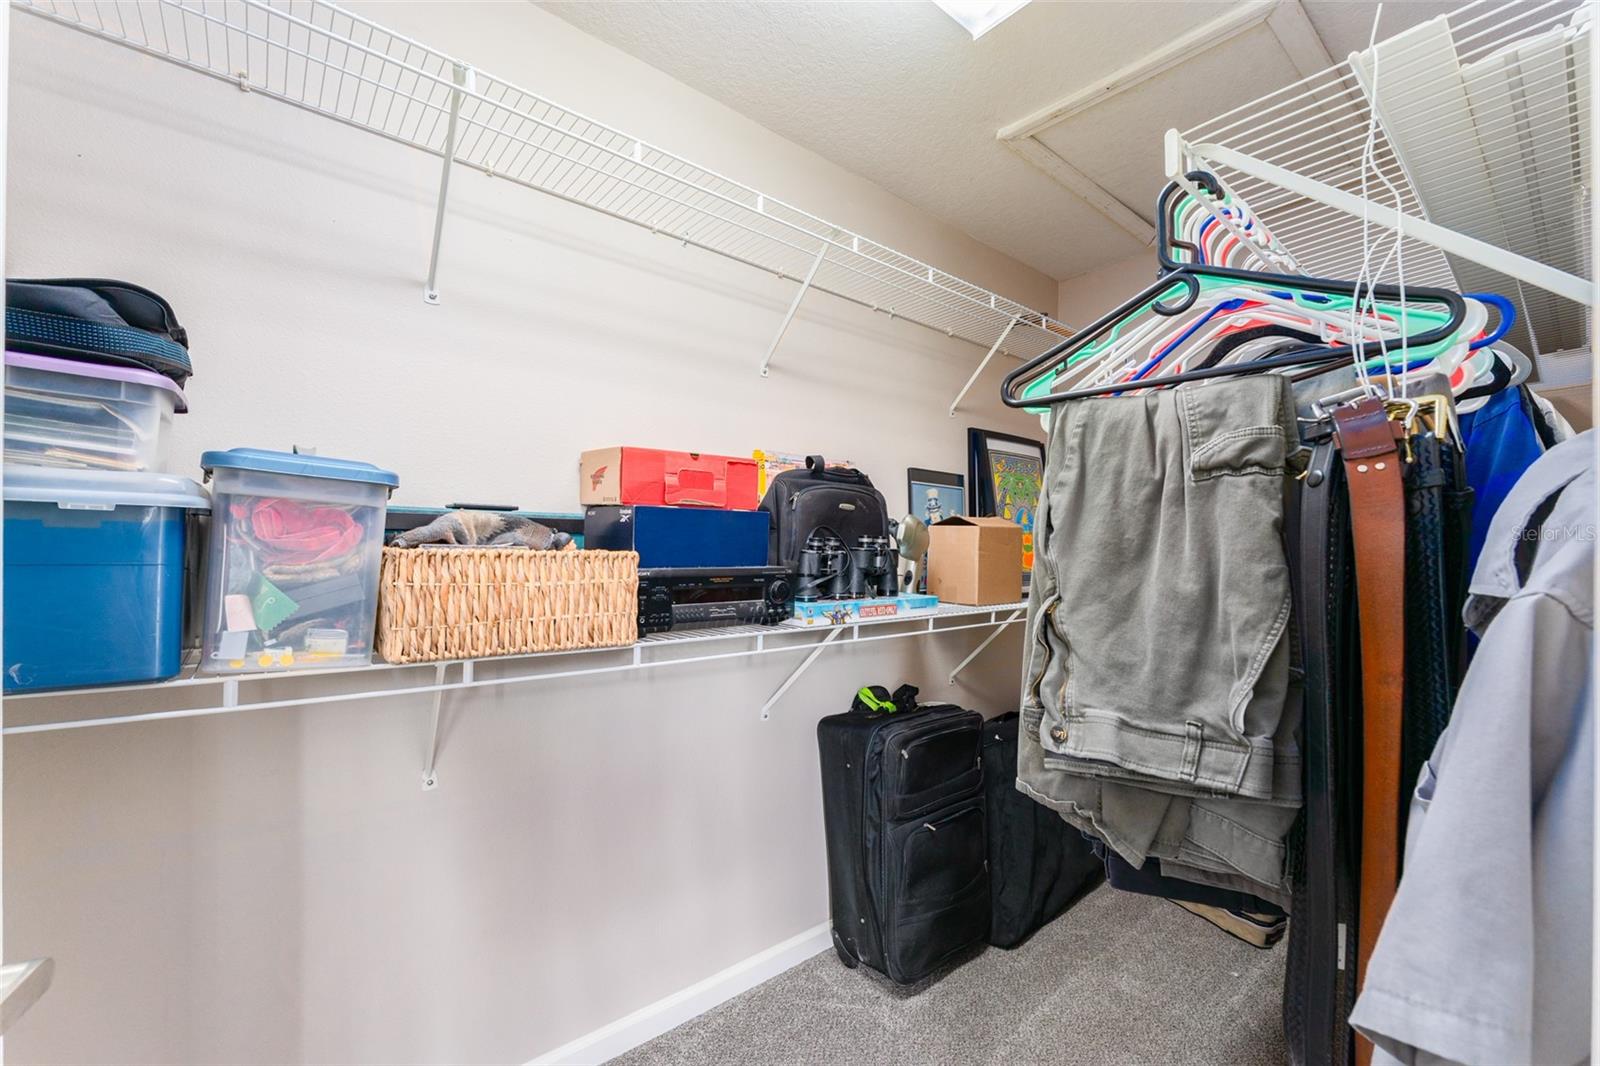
x: 1484, y: 956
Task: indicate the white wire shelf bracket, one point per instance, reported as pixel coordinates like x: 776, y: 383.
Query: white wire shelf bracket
x: 384, y: 681
x: 22, y: 984
x: 1459, y: 148
x: 321, y: 58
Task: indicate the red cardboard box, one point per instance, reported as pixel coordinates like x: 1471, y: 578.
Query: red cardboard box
x: 649, y: 476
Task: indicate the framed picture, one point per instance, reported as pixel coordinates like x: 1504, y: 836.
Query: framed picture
x: 933, y: 495
x: 1006, y: 474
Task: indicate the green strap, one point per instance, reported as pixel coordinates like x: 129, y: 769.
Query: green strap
x: 873, y: 702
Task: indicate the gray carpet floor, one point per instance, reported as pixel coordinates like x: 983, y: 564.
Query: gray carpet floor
x: 1118, y: 979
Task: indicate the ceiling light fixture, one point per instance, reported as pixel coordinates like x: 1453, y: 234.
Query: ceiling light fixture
x: 978, y: 17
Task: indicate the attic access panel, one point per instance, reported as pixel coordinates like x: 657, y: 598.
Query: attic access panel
x: 1096, y: 139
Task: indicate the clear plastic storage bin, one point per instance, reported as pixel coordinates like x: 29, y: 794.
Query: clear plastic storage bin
x: 66, y: 413
x: 292, y: 560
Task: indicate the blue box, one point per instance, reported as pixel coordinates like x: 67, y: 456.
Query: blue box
x: 94, y: 565
x: 679, y: 536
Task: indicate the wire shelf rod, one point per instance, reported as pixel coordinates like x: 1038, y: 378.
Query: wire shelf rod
x: 1555, y: 239
x: 1460, y: 184
x: 856, y: 637
x: 192, y: 678
x: 1463, y: 181
x: 1256, y: 111
x: 1272, y: 204
x: 888, y: 287
x: 322, y: 59
x: 1276, y: 141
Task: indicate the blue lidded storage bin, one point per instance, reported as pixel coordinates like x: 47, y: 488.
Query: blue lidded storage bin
x: 292, y: 561
x: 93, y: 576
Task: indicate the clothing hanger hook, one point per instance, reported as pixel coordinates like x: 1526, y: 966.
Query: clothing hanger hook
x: 1191, y: 293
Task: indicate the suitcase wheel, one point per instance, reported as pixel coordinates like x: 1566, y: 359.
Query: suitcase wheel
x: 845, y: 957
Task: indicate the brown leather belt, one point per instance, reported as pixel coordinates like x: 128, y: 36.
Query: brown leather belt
x: 1367, y: 441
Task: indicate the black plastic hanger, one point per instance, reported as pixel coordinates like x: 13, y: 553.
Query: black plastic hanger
x: 1225, y: 347
x: 1167, y: 209
x: 1188, y: 275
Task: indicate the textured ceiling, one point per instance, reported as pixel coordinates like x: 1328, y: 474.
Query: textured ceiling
x: 900, y: 94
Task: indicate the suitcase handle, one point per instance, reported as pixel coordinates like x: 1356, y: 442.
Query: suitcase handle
x: 701, y: 488
x: 819, y: 468
x: 899, y: 701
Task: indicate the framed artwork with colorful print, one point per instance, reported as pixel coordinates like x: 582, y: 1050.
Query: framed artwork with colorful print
x: 1005, y: 474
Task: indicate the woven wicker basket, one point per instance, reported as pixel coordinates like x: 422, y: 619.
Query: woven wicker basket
x: 469, y: 603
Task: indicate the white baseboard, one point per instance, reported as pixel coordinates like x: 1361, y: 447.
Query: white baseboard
x: 647, y: 1022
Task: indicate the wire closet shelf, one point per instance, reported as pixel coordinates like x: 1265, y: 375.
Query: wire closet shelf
x: 189, y: 695
x: 324, y: 59
x: 1478, y: 122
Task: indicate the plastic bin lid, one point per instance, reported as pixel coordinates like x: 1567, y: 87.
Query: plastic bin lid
x: 101, y: 489
x: 299, y: 465
x: 81, y: 369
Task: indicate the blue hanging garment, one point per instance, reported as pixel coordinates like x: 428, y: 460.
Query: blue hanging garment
x: 1501, y: 441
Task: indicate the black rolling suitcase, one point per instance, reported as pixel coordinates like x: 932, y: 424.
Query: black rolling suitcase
x: 1038, y: 864
x: 902, y: 807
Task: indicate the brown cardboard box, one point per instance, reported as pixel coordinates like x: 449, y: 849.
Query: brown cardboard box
x: 1573, y: 402
x: 975, y: 560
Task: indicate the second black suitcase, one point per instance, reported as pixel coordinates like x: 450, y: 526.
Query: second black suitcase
x: 902, y: 805
x: 1038, y: 864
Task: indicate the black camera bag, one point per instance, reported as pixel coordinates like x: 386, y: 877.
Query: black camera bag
x: 821, y: 499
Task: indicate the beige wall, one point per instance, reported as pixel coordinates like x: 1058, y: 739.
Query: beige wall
x: 274, y: 886
x: 1084, y: 298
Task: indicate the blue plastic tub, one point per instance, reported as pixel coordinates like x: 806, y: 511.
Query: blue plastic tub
x: 93, y: 576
